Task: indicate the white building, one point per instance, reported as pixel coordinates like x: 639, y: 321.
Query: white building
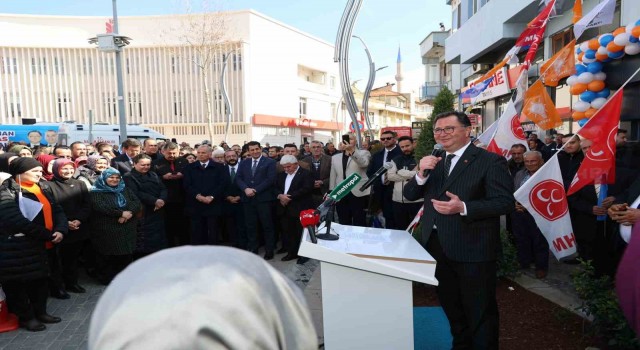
x: 483, y: 31
x: 282, y: 83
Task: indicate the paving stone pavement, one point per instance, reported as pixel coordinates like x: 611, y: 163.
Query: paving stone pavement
x: 72, y: 333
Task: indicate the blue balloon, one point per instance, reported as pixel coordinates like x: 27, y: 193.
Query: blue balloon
x: 594, y: 67
x: 588, y: 96
x: 582, y: 122
x: 604, y: 93
x: 580, y: 68
x: 633, y: 39
x: 616, y: 55
x: 578, y: 50
x: 638, y: 22
x: 590, y: 54
x: 605, y: 39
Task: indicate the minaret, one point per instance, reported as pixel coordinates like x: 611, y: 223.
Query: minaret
x: 399, y: 76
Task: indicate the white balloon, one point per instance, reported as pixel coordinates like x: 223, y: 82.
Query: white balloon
x: 632, y: 49
x: 600, y: 76
x: 581, y: 106
x: 572, y: 80
x: 598, y: 102
x: 584, y: 46
x: 630, y: 27
x: 588, y: 60
x: 622, y: 39
x: 585, y: 78
x: 603, y: 50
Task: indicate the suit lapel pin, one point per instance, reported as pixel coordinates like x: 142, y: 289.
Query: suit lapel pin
x: 466, y: 161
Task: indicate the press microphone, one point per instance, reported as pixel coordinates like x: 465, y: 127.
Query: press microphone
x: 383, y: 169
x: 310, y: 218
x: 437, y: 150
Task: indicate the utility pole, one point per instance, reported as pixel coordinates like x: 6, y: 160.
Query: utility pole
x: 122, y: 116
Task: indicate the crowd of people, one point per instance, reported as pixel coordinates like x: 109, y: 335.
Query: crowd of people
x: 101, y: 207
x: 595, y: 222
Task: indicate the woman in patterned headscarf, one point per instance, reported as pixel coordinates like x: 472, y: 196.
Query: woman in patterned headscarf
x: 91, y: 170
x: 113, y: 223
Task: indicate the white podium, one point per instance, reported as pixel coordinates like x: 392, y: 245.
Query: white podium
x: 367, y: 300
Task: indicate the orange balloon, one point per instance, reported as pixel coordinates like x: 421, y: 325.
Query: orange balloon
x: 595, y: 85
x: 578, y: 88
x: 594, y: 44
x: 578, y: 115
x: 590, y: 112
x: 601, y: 57
x: 612, y: 47
x: 619, y: 31
x: 635, y: 31
x: 580, y: 55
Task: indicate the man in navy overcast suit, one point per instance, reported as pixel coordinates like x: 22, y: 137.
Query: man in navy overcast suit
x: 466, y: 192
x: 257, y: 196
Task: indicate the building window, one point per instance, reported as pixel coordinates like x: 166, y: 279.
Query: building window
x: 560, y: 40
x: 237, y: 61
x: 35, y: 66
x: 63, y: 106
x: 175, y: 65
x: 177, y: 104
x: 12, y: 104
x: 135, y: 104
x: 58, y: 65
x: 332, y: 82
x: 303, y: 107
x: 8, y: 63
x: 455, y: 18
x: 128, y: 64
x: 334, y: 111
x: 109, y: 105
x: 87, y: 66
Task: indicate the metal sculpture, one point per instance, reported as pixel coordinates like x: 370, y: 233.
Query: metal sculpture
x: 228, y: 111
x: 341, y: 55
x: 367, y: 90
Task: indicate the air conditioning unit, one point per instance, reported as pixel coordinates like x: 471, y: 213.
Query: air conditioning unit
x: 479, y: 68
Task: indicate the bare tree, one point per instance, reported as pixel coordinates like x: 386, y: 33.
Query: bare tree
x: 205, y: 35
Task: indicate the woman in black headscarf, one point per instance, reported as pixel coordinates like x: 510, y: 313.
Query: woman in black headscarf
x: 23, y: 256
x: 73, y: 196
x: 5, y: 159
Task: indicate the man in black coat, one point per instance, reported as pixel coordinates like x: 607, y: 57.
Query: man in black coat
x: 205, y: 182
x: 293, y: 188
x: 232, y: 209
x: 465, y: 194
x: 382, y: 188
x: 256, y: 176
x: 170, y: 169
x: 124, y: 162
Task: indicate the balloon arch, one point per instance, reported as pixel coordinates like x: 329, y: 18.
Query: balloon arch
x: 589, y: 81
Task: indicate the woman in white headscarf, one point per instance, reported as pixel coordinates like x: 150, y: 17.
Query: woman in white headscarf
x: 202, y: 298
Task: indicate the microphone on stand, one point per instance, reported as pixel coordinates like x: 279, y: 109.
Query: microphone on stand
x: 383, y: 169
x: 437, y: 152
x: 309, y: 219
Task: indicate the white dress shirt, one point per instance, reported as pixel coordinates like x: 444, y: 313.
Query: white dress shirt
x: 383, y: 178
x: 289, y: 179
x: 625, y: 231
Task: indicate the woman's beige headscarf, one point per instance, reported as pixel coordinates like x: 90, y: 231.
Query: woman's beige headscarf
x: 202, y: 298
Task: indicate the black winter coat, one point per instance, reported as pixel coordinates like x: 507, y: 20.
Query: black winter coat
x: 151, y: 231
x: 175, y: 188
x: 73, y: 197
x: 23, y: 256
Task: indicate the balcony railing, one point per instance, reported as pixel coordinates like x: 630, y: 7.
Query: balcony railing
x: 430, y: 90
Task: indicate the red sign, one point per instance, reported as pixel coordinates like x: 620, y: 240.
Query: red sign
x: 548, y: 199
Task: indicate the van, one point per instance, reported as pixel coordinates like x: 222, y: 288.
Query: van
x: 108, y: 133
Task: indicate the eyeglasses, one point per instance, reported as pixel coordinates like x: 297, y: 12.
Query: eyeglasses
x: 447, y: 130
x: 385, y: 138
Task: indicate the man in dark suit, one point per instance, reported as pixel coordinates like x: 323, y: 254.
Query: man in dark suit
x: 256, y: 176
x: 233, y: 217
x: 124, y: 162
x: 293, y: 189
x: 320, y: 166
x: 465, y: 193
x: 170, y: 169
x: 382, y: 188
x: 205, y: 182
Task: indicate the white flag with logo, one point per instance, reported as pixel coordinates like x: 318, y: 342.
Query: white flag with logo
x: 486, y: 136
x: 601, y: 15
x: 544, y: 198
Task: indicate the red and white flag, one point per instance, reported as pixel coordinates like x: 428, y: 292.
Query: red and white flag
x: 531, y: 37
x: 509, y: 130
x: 600, y: 160
x: 544, y: 197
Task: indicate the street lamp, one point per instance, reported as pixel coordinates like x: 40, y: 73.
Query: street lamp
x: 112, y: 42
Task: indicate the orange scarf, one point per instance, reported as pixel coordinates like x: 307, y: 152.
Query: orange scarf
x: 46, y: 206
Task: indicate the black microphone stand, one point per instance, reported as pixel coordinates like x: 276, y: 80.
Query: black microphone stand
x: 327, y: 236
